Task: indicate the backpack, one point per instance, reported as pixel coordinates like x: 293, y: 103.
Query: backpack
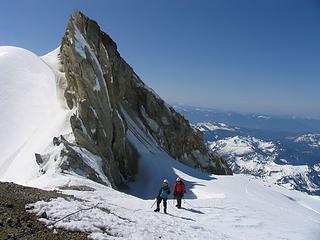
x: 179, y: 187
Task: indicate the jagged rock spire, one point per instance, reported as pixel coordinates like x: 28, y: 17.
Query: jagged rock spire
x: 112, y: 104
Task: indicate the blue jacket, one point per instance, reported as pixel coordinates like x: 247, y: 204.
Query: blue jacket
x: 164, y: 192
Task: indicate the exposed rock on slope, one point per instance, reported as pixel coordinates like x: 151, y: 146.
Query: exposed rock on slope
x: 16, y: 223
x: 110, y: 98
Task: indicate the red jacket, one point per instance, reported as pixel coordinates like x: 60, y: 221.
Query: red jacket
x: 179, y: 187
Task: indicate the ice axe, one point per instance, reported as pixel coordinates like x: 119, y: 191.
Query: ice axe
x: 153, y: 203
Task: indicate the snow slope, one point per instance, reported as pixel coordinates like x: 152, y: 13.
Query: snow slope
x: 31, y: 114
x: 215, y: 207
x: 226, y: 207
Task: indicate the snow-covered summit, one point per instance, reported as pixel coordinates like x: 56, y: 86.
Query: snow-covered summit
x: 30, y: 112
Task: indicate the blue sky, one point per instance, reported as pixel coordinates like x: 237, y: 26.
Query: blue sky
x: 246, y: 56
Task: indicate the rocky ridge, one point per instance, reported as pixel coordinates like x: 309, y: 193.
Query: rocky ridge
x: 111, y: 103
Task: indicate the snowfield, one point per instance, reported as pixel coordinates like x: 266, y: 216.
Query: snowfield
x: 226, y: 207
x: 215, y: 207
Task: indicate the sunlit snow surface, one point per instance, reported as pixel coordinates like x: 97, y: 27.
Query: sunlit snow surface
x: 226, y: 208
x: 31, y: 114
x: 215, y: 207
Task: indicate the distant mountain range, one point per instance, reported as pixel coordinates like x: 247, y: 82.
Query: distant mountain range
x: 277, y: 124
x: 282, y: 150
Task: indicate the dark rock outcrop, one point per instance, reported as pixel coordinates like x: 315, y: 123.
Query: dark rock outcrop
x: 110, y: 100
x: 17, y: 223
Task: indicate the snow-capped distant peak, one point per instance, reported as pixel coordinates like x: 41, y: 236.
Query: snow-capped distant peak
x: 313, y: 140
x: 263, y: 117
x: 239, y: 146
x: 212, y: 126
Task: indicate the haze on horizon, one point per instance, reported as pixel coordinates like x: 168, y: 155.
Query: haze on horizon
x: 247, y: 56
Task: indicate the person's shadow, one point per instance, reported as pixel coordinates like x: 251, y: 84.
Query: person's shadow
x: 192, y: 210
x: 184, y: 218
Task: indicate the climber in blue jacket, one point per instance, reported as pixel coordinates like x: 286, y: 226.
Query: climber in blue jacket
x: 163, y: 196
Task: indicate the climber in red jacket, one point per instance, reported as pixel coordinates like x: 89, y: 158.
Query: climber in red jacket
x: 178, y: 190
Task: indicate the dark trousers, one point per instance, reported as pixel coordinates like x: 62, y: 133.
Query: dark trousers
x: 179, y: 198
x: 159, y: 199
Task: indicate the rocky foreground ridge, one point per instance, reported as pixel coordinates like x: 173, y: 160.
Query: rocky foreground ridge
x: 16, y: 223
